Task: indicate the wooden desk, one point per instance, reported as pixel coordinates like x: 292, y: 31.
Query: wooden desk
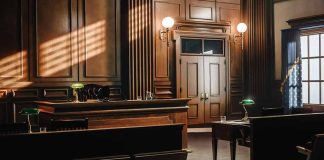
x: 112, y: 114
x: 229, y: 131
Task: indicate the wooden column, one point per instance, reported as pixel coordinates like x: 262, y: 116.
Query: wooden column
x: 140, y: 49
x: 259, y: 50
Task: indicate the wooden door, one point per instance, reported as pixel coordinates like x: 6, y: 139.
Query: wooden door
x: 203, y: 79
x: 192, y: 86
x: 214, y: 82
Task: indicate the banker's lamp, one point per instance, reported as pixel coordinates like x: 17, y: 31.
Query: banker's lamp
x: 76, y: 87
x: 246, y: 102
x: 241, y: 28
x: 167, y: 23
x: 29, y: 112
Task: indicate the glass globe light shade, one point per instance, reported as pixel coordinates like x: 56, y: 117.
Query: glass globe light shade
x: 167, y: 22
x: 241, y: 27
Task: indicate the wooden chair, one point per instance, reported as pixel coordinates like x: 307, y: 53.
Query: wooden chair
x: 94, y: 91
x: 301, y: 110
x: 272, y: 111
x: 70, y: 124
x: 12, y: 128
x: 245, y: 139
x: 315, y: 150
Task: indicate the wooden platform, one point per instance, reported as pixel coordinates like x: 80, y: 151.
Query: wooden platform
x: 119, y: 113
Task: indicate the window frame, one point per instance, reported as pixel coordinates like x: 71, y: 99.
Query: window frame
x: 309, y: 32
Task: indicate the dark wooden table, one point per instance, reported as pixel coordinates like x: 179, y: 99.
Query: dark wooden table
x: 229, y: 131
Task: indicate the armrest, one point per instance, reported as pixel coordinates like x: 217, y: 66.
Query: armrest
x: 303, y: 150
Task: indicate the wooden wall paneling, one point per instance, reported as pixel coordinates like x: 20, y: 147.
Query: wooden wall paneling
x: 197, y: 10
x: 14, y: 41
x: 230, y: 12
x: 56, y: 92
x: 259, y: 51
x: 99, y: 40
x: 230, y: 1
x: 25, y: 93
x: 3, y: 112
x: 53, y: 28
x: 115, y: 93
x: 140, y: 40
x: 164, y: 76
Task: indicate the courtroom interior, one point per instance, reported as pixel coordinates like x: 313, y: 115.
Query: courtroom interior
x: 162, y: 79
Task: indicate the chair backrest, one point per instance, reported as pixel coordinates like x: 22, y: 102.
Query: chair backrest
x: 318, y: 148
x: 94, y: 91
x: 272, y: 111
x: 12, y: 128
x: 70, y: 124
x: 272, y: 136
x: 301, y: 110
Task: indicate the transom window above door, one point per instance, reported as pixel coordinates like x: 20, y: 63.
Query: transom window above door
x: 200, y: 46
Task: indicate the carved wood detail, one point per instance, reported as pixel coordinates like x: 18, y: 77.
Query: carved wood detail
x: 230, y: 1
x: 200, y: 10
x: 57, y: 92
x: 25, y: 93
x: 140, y: 53
x: 259, y: 50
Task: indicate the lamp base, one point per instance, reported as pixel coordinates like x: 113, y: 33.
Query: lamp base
x: 246, y: 117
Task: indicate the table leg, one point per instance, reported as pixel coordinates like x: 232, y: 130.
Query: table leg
x: 233, y: 148
x: 214, y: 143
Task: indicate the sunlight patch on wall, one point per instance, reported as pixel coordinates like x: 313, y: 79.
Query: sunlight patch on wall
x: 58, y: 55
x: 55, y: 57
x: 139, y: 19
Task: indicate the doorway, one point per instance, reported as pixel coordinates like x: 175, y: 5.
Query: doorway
x: 203, y: 77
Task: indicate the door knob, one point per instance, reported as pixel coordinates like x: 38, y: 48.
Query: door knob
x: 206, y: 96
x: 202, y: 96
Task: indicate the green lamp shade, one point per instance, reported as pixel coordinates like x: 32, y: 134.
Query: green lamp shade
x: 247, y: 102
x: 29, y: 111
x: 77, y: 85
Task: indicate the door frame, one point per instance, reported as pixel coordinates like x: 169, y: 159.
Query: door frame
x: 221, y: 33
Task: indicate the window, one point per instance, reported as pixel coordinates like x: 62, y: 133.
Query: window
x: 202, y: 46
x: 312, y: 53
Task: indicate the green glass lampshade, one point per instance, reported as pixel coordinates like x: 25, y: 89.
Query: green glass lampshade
x: 77, y: 85
x: 247, y: 102
x: 29, y: 111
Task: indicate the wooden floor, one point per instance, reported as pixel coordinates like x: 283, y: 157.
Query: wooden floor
x: 199, y: 141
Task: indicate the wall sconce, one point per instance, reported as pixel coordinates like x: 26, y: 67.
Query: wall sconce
x: 167, y: 23
x: 241, y: 28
